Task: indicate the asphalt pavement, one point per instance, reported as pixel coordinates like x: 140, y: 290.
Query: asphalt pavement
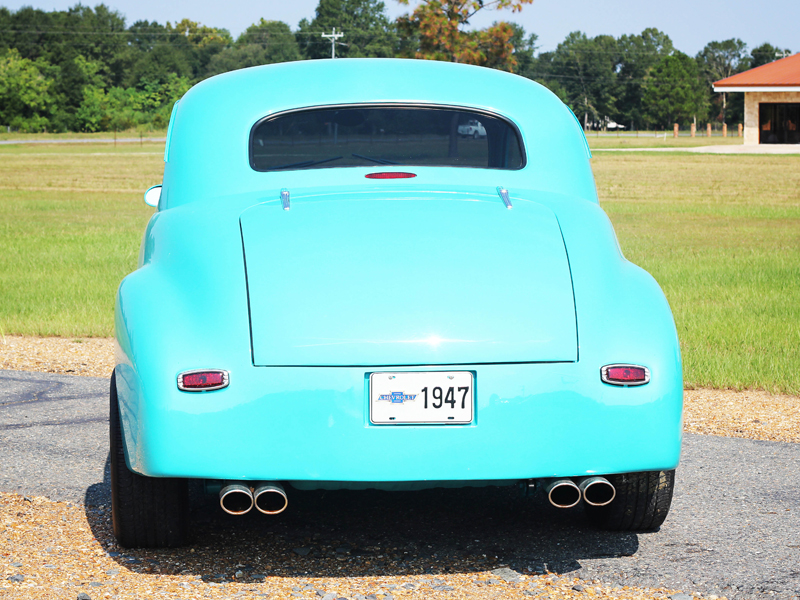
x: 734, y: 527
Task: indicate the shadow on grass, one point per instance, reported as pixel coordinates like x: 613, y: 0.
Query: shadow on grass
x: 373, y: 533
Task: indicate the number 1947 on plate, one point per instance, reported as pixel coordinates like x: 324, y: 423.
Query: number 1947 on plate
x: 437, y: 397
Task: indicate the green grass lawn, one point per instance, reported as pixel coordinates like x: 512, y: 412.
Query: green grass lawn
x: 73, y: 217
x: 721, y: 234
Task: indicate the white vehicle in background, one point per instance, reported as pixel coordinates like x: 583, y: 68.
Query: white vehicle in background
x: 472, y: 128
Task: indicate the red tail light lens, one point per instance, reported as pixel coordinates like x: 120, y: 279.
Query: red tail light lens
x: 625, y: 375
x: 390, y: 175
x: 202, y: 380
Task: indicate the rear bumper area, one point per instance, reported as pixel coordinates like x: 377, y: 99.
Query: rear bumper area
x: 312, y: 424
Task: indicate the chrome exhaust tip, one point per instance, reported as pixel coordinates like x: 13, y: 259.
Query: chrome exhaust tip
x: 270, y: 498
x: 236, y: 499
x: 562, y: 493
x: 597, y: 491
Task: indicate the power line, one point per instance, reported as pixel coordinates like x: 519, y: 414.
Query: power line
x: 156, y: 32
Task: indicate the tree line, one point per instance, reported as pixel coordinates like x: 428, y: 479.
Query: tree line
x: 85, y: 69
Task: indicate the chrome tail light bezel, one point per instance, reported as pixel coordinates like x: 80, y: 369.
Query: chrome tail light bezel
x: 225, y: 380
x: 605, y: 379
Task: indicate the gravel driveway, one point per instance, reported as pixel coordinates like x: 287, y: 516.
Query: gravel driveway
x: 734, y: 529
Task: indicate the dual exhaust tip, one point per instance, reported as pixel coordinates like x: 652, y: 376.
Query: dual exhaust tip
x: 270, y: 498
x: 566, y: 493
x: 266, y: 497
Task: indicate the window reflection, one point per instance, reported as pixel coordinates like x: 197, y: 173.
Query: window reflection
x: 363, y: 136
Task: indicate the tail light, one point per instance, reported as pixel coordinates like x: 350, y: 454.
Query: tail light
x: 625, y: 375
x: 203, y: 380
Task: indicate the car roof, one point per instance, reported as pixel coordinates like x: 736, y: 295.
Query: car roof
x: 209, y: 133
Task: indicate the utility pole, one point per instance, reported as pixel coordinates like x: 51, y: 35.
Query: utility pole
x: 333, y: 37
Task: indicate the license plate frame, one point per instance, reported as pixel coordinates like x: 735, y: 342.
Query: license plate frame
x: 411, y: 398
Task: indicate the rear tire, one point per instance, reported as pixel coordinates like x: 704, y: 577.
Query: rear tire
x: 147, y: 512
x: 641, y: 504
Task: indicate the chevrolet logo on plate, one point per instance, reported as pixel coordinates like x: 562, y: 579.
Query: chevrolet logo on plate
x: 397, y: 397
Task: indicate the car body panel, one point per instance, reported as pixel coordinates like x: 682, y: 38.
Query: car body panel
x: 498, y: 289
x: 310, y: 426
x: 536, y: 414
x: 208, y: 150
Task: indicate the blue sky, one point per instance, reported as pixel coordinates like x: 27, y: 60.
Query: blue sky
x: 690, y: 23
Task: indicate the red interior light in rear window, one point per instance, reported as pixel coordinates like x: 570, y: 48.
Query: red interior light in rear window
x: 211, y: 379
x: 625, y: 374
x: 390, y: 175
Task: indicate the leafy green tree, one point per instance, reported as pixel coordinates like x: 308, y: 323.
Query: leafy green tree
x: 524, y: 51
x: 275, y: 37
x: 637, y: 55
x: 158, y: 63
x: 766, y: 53
x: 80, y: 69
x: 674, y: 91
x: 155, y: 51
x: 585, y: 71
x: 26, y: 30
x: 262, y: 43
x: 146, y: 35
x: 91, y: 114
x: 237, y: 57
x: 96, y: 34
x: 26, y: 97
x: 719, y: 60
x: 198, y: 43
x: 68, y: 41
x: 367, y: 30
x: 6, y: 35
x: 59, y: 36
x: 69, y: 77
x: 124, y: 109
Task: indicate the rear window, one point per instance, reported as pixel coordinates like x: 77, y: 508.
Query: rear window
x: 384, y: 135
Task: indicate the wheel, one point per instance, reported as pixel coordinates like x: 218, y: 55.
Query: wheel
x: 146, y: 512
x: 475, y: 135
x: 641, y: 504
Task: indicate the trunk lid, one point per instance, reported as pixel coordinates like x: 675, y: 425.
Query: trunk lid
x: 378, y: 280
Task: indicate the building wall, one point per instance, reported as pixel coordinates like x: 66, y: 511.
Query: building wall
x: 751, y: 102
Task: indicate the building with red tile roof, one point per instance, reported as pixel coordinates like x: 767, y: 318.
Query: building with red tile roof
x: 771, y: 101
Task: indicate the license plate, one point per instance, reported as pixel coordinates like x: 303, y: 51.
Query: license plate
x: 421, y: 397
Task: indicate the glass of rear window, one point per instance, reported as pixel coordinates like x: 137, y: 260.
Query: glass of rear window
x: 364, y: 136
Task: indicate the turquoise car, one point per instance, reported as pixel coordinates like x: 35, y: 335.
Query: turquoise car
x: 333, y: 270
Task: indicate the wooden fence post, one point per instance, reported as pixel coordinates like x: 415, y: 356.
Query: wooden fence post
x: 724, y: 130
x: 740, y: 130
x: 694, y: 129
x: 708, y: 130
x: 675, y: 130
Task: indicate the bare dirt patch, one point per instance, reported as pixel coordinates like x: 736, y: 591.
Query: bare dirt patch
x: 90, y: 357
x: 753, y: 414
